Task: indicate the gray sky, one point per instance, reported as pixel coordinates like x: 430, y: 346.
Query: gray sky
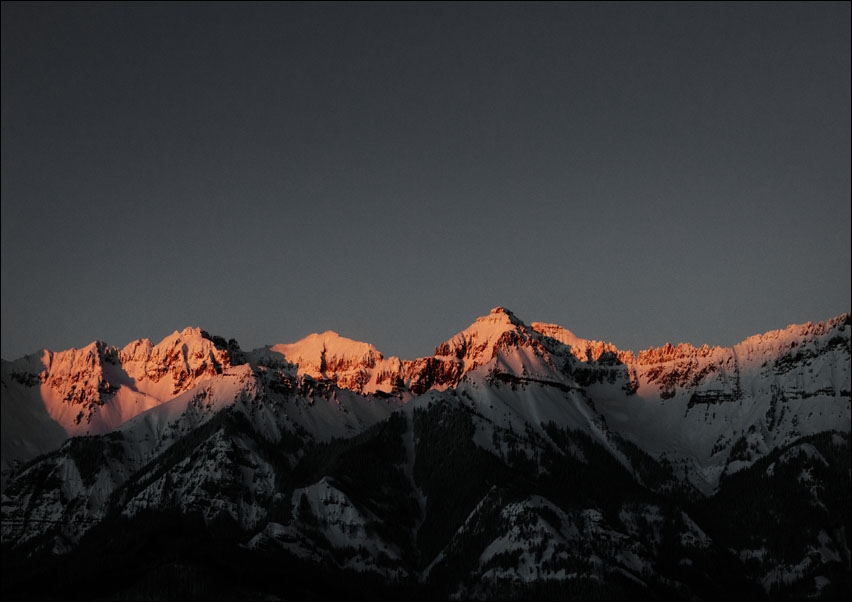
x: 637, y: 173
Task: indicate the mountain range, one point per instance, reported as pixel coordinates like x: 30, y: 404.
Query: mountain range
x: 518, y: 461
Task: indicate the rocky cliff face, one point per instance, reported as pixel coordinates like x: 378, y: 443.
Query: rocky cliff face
x: 81, y: 377
x: 183, y: 358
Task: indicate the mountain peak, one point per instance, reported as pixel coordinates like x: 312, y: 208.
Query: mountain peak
x: 329, y: 355
x: 503, y: 315
x: 502, y: 310
x: 475, y: 345
x: 329, y: 343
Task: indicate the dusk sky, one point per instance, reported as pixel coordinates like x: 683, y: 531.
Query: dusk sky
x: 637, y: 173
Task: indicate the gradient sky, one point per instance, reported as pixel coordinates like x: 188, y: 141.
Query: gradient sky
x: 637, y: 173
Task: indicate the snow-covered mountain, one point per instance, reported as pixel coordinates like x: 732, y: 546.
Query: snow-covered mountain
x: 713, y: 411
x: 94, y: 390
x: 517, y: 461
